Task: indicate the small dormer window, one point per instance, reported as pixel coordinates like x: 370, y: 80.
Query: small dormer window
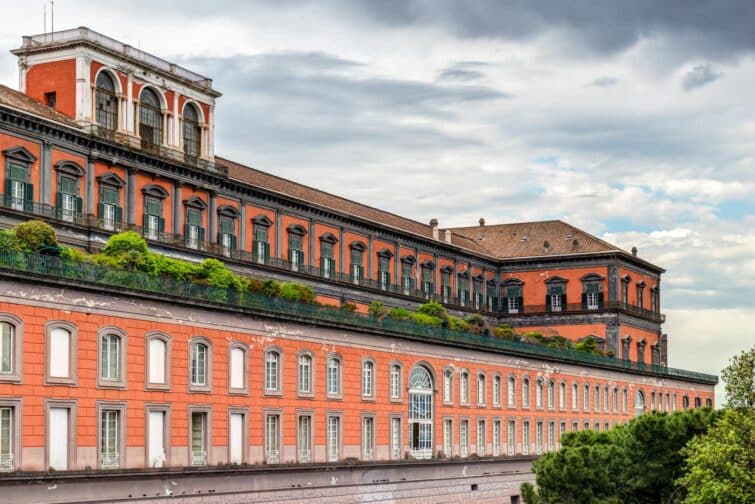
x: 106, y: 102
x: 192, y: 133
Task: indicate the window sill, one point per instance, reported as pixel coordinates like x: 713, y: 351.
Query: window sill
x: 10, y: 378
x: 200, y: 389
x: 66, y: 382
x: 111, y: 385
x: 238, y: 392
x: 157, y: 386
x: 272, y: 393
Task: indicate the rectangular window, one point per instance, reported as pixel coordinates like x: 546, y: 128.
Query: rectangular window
x: 592, y: 296
x: 539, y: 437
x: 384, y: 272
x: 295, y: 251
x: 110, y: 434
x: 368, y: 438
x: 236, y: 438
x: 261, y: 247
x: 551, y: 435
x: 357, y: 269
x: 194, y: 234
x: 59, y: 353
x: 58, y: 427
x: 7, y: 348
x: 272, y: 359
x: 464, y: 388
x: 305, y: 374
x: 448, y: 437
x: 427, y: 281
x: 445, y: 286
x: 513, y: 299
x: 304, y: 438
x: 7, y: 438
x: 574, y: 426
x: 18, y: 194
x: 327, y: 263
x: 272, y: 438
x: 496, y: 438
x: 198, y: 364
x: 481, y: 441
x: 110, y: 210
x: 199, y: 432
x: 368, y: 369
x: 464, y: 438
x: 237, y: 371
x: 526, y: 393
x: 156, y: 427
x: 67, y: 199
x: 574, y: 396
x: 511, y: 436
x: 562, y: 395
x: 525, y: 437
x: 586, y: 398
x: 395, y: 438
x: 407, y: 278
x: 596, y: 398
x: 333, y: 377
x: 511, y: 392
x: 496, y: 391
x: 157, y: 358
x: 153, y: 221
x: 447, y: 386
x: 334, y: 438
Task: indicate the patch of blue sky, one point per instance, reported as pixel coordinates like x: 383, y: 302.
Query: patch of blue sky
x: 735, y: 209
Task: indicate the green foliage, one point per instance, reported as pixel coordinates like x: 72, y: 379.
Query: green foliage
x: 180, y: 270
x: 35, y: 235
x: 634, y: 464
x: 127, y: 251
x: 477, y: 323
x: 587, y: 345
x: 559, y: 342
x: 504, y: 331
x: 74, y: 255
x: 720, y: 465
x: 425, y: 319
x: 377, y: 309
x: 348, y: 307
x: 9, y: 241
x: 399, y: 313
x: 296, y: 292
x: 433, y: 309
x: 271, y: 288
x: 534, y: 337
x: 458, y: 324
x: 214, y: 273
x: 739, y: 377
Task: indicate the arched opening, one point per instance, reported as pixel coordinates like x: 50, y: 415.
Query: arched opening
x: 106, y: 100
x: 192, y: 131
x: 420, y: 413
x: 150, y: 118
x: 639, y: 403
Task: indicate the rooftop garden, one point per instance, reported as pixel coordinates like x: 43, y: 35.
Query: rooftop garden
x: 126, y: 262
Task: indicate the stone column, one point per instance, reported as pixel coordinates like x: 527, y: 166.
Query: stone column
x: 177, y: 214
x: 241, y: 242
x: 131, y: 196
x: 90, y: 187
x: 213, y: 217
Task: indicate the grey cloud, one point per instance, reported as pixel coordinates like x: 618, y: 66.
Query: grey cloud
x: 699, y: 76
x: 604, y: 82
x: 459, y: 75
x: 721, y: 28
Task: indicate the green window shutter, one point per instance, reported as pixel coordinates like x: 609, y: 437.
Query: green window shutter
x: 145, y: 220
x: 547, y: 302
x: 79, y: 205
x: 563, y: 301
x: 505, y: 305
x: 161, y: 224
x: 118, y: 215
x: 8, y: 188
x: 101, y: 210
x: 600, y: 300
x: 187, y: 230
x: 200, y: 234
x: 584, y: 300
x: 521, y: 304
x: 59, y: 202
x: 233, y: 242
x: 28, y: 197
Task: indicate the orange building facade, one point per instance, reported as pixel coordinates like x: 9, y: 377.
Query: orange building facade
x: 102, y: 137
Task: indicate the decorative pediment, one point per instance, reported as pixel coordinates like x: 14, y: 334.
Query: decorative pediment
x: 112, y: 179
x: 228, y: 211
x: 447, y: 269
x: 70, y: 168
x: 296, y: 229
x: 358, y: 245
x: 385, y: 253
x: 408, y: 259
x: 20, y: 154
x: 329, y: 238
x: 155, y: 191
x: 556, y: 280
x: 592, y: 277
x: 195, y: 202
x: 428, y: 264
x: 512, y: 281
x: 262, y: 220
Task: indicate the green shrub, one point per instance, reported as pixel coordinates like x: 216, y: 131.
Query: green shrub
x: 128, y: 251
x: 559, y: 341
x: 534, y: 337
x: 424, y: 319
x: 74, y: 255
x: 399, y: 313
x: 35, y: 235
x: 587, y: 345
x: 477, y: 323
x: 433, y: 309
x: 214, y: 273
x: 297, y: 292
x: 349, y: 307
x: 180, y: 270
x: 271, y: 288
x: 458, y: 324
x: 377, y: 309
x: 504, y: 331
x: 9, y: 241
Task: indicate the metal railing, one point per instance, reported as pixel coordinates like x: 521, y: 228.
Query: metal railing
x: 199, y: 459
x: 96, y: 274
x: 110, y: 460
x: 7, y: 462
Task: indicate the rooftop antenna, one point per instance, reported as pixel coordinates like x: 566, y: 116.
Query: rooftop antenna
x: 52, y: 16
x: 44, y: 20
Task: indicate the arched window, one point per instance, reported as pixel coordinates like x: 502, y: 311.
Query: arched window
x: 420, y: 413
x: 448, y: 383
x: 110, y: 357
x: 368, y: 379
x: 562, y: 395
x: 525, y: 392
x: 574, y: 396
x: 481, y: 392
x: 305, y: 374
x: 192, y: 131
x: 511, y: 393
x: 639, y: 403
x: 539, y: 393
x: 7, y: 348
x: 150, y: 118
x: 333, y: 376
x: 616, y: 399
x: 497, y: 390
x: 272, y: 371
x: 551, y: 394
x: 106, y: 102
x: 586, y: 397
x: 395, y: 381
x: 199, y: 363
x: 464, y: 387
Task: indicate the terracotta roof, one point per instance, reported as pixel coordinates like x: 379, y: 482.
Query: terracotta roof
x: 534, y: 239
x: 19, y: 101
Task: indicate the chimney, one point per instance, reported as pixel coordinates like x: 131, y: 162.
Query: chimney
x: 634, y: 251
x: 434, y: 225
x: 482, y: 221
x: 448, y: 235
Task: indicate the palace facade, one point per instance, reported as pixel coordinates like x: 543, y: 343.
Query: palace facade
x: 102, y: 137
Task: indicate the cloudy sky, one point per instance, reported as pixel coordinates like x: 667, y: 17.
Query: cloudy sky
x: 635, y: 121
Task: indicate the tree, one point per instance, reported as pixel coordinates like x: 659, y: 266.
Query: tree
x: 720, y: 467
x: 739, y: 377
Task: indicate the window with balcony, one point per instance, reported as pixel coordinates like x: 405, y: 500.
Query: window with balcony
x: 19, y: 192
x: 384, y: 269
x: 625, y: 290
x: 296, y: 247
x: 227, y: 228
x: 462, y: 282
x: 407, y: 275
x: 106, y: 101
x: 261, y: 239
x: 640, y: 295
x: 445, y: 284
x: 111, y: 436
x: 356, y: 267
x: 513, y: 300
x: 150, y: 118
x: 194, y: 233
x: 199, y: 430
x: 327, y: 260
x: 110, y: 211
x: 192, y: 131
x: 153, y: 221
x: 477, y: 293
x: 68, y: 200
x: 654, y: 299
x: 491, y: 296
x: 427, y: 279
x: 555, y: 299
x: 592, y: 292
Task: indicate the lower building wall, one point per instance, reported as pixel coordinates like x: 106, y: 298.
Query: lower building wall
x: 476, y: 393
x: 474, y: 481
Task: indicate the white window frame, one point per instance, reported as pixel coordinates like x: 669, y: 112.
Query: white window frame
x: 481, y: 436
x: 368, y: 437
x: 464, y: 387
x: 273, y: 431
x: 368, y: 379
x: 305, y: 374
x: 151, y: 360
x: 333, y: 437
x: 304, y: 436
x: 272, y: 369
x: 333, y: 383
x: 395, y: 381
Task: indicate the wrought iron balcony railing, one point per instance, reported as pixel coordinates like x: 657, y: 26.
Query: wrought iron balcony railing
x: 95, y: 276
